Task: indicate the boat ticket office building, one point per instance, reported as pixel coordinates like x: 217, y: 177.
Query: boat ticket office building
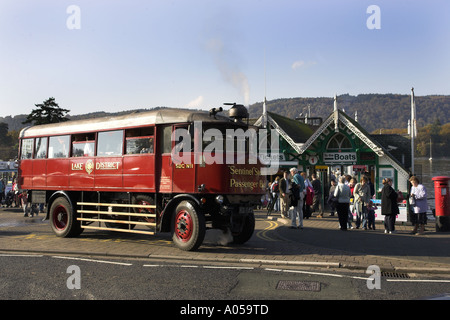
x: 340, y: 145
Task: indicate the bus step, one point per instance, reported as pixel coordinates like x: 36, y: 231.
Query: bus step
x: 119, y: 230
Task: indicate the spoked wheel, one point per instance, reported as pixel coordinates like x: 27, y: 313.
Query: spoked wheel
x: 188, y: 226
x: 63, y: 219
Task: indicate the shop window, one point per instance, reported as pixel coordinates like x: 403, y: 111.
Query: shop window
x: 386, y: 173
x: 339, y: 142
x: 58, y: 147
x: 110, y: 143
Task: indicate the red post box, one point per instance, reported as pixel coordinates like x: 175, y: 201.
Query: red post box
x: 442, y: 202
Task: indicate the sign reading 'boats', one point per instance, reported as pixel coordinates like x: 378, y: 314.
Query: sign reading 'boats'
x: 339, y: 157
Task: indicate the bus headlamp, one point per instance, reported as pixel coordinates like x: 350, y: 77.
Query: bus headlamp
x: 220, y: 199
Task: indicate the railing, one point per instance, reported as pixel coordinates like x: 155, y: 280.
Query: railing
x: 131, y: 223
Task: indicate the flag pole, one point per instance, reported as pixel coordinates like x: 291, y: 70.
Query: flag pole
x: 413, y: 128
x: 264, y: 117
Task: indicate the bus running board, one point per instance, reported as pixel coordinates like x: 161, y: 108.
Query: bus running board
x: 110, y: 206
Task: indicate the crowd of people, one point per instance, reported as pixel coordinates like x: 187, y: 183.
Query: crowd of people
x: 15, y: 198
x: 9, y: 196
x: 297, y: 197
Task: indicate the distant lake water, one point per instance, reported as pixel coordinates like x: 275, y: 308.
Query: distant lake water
x: 426, y: 170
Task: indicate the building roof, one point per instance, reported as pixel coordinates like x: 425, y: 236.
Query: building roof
x: 378, y: 147
x: 397, y: 146
x: 298, y: 131
x: 294, y: 132
x: 300, y: 136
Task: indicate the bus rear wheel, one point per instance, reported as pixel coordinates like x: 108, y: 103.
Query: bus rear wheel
x: 188, y: 226
x: 63, y: 219
x: 142, y: 199
x: 247, y: 230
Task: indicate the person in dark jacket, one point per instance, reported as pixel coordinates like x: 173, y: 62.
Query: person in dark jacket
x: 285, y: 191
x: 389, y: 206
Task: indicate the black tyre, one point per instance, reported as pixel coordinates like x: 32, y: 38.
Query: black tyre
x: 188, y: 226
x: 63, y: 219
x: 247, y: 230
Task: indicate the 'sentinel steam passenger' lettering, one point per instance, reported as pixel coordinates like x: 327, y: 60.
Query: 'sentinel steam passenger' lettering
x: 243, y: 184
x: 245, y: 171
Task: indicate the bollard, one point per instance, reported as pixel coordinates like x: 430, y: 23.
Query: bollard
x: 442, y: 202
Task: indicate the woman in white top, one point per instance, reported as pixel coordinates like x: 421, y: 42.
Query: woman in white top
x: 420, y: 206
x: 342, y: 193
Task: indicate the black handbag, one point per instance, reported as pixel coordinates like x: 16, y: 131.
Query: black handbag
x: 295, y: 192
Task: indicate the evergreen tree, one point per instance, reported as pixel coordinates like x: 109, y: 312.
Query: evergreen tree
x: 4, y: 138
x: 47, y: 112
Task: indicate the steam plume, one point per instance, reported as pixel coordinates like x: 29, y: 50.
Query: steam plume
x: 230, y: 74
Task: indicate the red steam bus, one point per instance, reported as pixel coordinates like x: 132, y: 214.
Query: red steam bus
x: 118, y: 173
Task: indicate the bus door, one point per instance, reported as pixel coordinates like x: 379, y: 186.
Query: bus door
x: 183, y: 169
x: 164, y: 149
x: 139, y: 159
x: 177, y: 172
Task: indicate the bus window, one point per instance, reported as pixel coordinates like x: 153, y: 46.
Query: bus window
x: 139, y: 145
x: 83, y: 145
x: 41, y: 148
x: 59, y: 147
x: 27, y: 149
x: 110, y: 143
x: 184, y: 138
x: 166, y: 140
x: 83, y: 148
x: 139, y: 140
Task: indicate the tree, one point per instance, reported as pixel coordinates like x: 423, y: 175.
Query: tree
x: 47, y: 112
x: 7, y: 148
x: 435, y: 129
x: 4, y: 138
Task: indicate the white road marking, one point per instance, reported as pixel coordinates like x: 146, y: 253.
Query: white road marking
x: 22, y: 255
x: 92, y: 260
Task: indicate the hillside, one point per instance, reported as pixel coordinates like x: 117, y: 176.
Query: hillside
x: 375, y: 111
x: 389, y: 112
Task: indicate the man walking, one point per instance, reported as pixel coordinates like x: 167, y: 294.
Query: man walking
x: 317, y: 200
x: 284, y: 194
x: 298, y: 186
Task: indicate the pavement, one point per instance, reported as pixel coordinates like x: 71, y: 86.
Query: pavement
x: 320, y: 244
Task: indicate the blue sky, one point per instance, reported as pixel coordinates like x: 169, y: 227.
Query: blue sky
x: 198, y: 53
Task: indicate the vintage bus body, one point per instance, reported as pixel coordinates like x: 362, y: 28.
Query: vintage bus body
x: 118, y: 173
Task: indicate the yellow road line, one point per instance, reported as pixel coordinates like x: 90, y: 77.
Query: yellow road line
x: 263, y: 234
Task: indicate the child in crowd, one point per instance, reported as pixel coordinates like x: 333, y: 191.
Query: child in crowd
x: 371, y: 207
x: 24, y: 202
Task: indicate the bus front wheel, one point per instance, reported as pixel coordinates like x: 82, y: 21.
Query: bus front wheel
x: 188, y: 226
